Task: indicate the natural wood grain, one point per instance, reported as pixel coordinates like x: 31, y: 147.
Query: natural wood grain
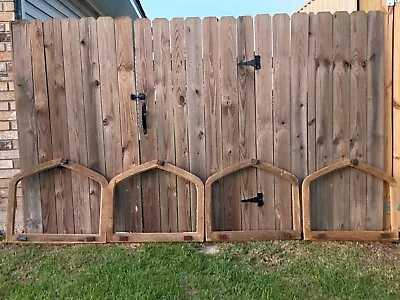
x: 197, y: 235
x: 379, y: 174
x: 132, y: 211
x: 59, y: 123
x: 282, y: 145
x: 264, y: 119
x: 56, y: 238
x: 93, y: 111
x: 311, y: 111
x: 180, y: 120
x: 358, y: 119
x: 324, y: 82
x: 148, y: 142
x: 230, y: 125
x: 76, y: 122
x: 341, y: 120
x: 396, y: 104
x: 212, y: 103
x: 27, y: 129
x: 247, y: 124
x: 111, y: 109
x: 215, y: 235
x: 375, y: 117
x: 195, y: 102
x: 43, y: 126
x: 165, y: 124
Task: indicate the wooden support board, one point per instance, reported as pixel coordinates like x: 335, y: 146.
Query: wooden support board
x: 13, y: 237
x: 372, y: 235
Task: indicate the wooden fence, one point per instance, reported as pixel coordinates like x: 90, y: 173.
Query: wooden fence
x: 317, y: 98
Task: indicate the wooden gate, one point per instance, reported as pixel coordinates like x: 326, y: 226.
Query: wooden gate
x: 297, y: 93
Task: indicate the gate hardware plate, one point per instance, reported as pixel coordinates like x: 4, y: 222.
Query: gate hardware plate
x: 144, y: 118
x: 138, y: 97
x: 255, y: 63
x: 259, y: 200
x: 22, y: 238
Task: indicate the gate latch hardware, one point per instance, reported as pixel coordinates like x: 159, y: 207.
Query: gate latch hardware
x: 138, y: 97
x: 144, y: 118
x: 259, y: 200
x: 255, y: 63
x: 22, y: 238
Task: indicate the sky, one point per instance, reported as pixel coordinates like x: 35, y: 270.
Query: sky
x: 204, y: 8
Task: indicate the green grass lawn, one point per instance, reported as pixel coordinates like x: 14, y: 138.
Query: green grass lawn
x: 272, y: 270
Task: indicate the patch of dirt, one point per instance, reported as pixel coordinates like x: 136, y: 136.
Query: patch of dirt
x: 209, y: 250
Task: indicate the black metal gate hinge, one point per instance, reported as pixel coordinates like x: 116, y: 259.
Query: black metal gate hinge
x: 255, y: 63
x: 259, y: 200
x: 138, y: 97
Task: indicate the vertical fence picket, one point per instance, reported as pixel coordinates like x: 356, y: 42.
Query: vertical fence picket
x: 212, y: 103
x: 93, y: 111
x: 132, y: 212
x: 165, y: 123
x: 341, y: 119
x: 43, y: 127
x: 230, y: 124
x: 375, y: 119
x: 59, y: 123
x: 358, y: 119
x: 282, y: 146
x: 247, y: 124
x: 180, y: 120
x: 195, y: 102
x: 27, y: 129
x: 264, y: 119
x: 148, y: 141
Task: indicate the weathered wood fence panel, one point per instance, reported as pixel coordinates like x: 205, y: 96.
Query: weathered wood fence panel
x: 318, y: 98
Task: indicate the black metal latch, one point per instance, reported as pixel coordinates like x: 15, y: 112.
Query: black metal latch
x: 255, y: 63
x: 259, y: 200
x: 142, y: 97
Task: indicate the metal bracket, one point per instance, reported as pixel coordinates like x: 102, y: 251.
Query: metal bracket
x: 259, y: 200
x: 138, y: 97
x: 255, y: 63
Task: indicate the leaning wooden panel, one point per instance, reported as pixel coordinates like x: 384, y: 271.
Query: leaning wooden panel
x: 309, y: 234
x: 194, y: 236
x: 256, y: 235
x: 13, y: 237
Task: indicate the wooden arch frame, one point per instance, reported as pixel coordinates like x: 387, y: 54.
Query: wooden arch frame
x: 260, y: 235
x: 11, y: 237
x: 381, y: 236
x: 118, y: 237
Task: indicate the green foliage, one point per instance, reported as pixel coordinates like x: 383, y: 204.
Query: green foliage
x: 273, y: 270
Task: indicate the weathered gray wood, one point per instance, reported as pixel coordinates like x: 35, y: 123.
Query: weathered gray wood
x: 212, y: 101
x: 230, y: 122
x: 195, y: 102
x: 93, y: 112
x: 341, y: 119
x: 148, y: 141
x: 27, y: 129
x: 76, y: 122
x: 247, y: 124
x: 264, y: 119
x: 132, y: 211
x: 282, y: 145
x: 43, y: 126
x: 59, y: 123
x: 375, y: 117
x: 324, y: 86
x: 181, y: 120
x: 165, y: 124
x: 358, y: 119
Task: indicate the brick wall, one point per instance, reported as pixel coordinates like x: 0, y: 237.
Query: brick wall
x: 9, y: 155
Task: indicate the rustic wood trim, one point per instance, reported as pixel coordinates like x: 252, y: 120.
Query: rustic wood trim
x: 12, y: 237
x: 381, y: 236
x: 260, y: 235
x: 197, y: 236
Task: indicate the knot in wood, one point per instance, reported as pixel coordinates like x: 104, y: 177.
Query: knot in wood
x: 355, y: 162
